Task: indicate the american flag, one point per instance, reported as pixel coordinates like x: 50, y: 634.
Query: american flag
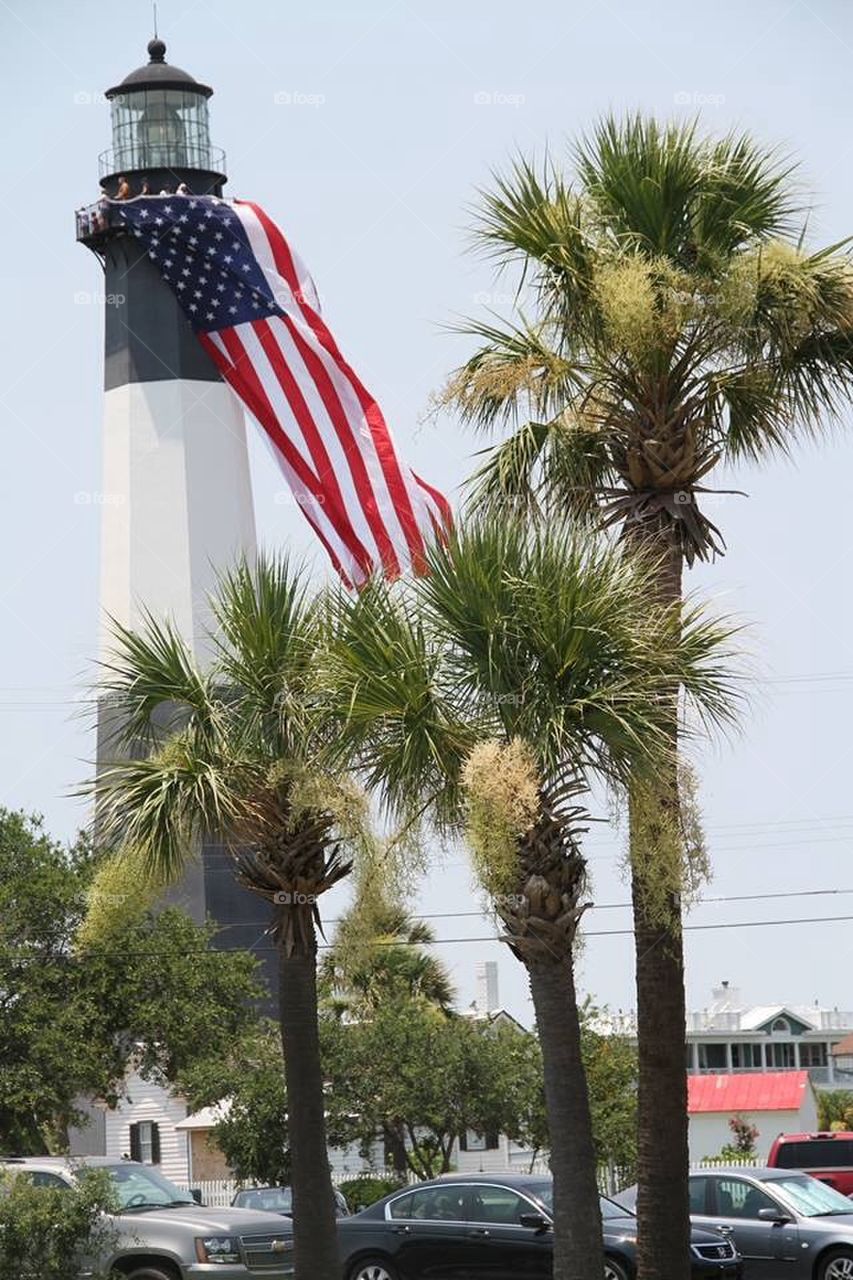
x: 254, y: 308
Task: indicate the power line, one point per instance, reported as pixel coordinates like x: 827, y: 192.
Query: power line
x: 595, y: 906
x: 149, y: 954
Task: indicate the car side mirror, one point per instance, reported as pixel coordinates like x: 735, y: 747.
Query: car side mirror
x: 774, y: 1215
x: 535, y: 1221
x: 195, y: 1192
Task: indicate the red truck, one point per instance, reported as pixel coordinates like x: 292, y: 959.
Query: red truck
x: 827, y: 1156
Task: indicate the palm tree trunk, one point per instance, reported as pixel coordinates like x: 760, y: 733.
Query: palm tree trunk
x: 578, y: 1248
x: 314, y: 1230
x: 663, y: 1206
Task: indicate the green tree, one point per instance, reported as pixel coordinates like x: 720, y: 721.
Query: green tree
x: 483, y: 694
x: 424, y: 1077
x: 49, y: 1234
x: 835, y: 1108
x: 678, y: 323
x: 69, y: 1020
x: 231, y: 751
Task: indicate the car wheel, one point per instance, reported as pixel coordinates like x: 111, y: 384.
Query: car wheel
x: 146, y: 1272
x: 615, y: 1270
x: 837, y: 1265
x: 372, y: 1269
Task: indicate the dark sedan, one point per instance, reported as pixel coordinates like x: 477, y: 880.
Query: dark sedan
x: 484, y: 1227
x: 782, y: 1222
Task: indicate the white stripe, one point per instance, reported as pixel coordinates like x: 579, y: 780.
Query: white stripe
x: 343, y: 388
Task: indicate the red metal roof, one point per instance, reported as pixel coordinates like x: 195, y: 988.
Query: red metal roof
x: 750, y: 1091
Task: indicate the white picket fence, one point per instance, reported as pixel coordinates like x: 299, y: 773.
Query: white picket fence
x: 611, y: 1179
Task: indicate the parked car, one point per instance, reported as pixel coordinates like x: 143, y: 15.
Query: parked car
x: 827, y: 1156
x: 493, y: 1227
x: 782, y: 1222
x: 279, y: 1200
x: 163, y: 1232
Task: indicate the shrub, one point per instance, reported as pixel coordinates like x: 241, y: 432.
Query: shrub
x: 366, y: 1190
x: 47, y: 1233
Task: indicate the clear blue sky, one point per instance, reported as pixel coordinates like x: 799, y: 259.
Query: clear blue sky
x: 364, y: 128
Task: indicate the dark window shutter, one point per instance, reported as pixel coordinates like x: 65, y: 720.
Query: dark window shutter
x: 135, y: 1150
x: 463, y: 1140
x: 155, y: 1144
x: 493, y: 1141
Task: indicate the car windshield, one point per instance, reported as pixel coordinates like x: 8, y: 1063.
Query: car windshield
x: 138, y: 1187
x: 810, y: 1197
x: 610, y: 1209
x: 544, y: 1193
x: 268, y: 1199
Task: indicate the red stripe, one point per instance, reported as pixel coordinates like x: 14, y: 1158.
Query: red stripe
x: 240, y: 374
x: 439, y: 500
x: 382, y: 442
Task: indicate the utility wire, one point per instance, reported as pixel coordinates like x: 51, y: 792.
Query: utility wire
x: 148, y: 954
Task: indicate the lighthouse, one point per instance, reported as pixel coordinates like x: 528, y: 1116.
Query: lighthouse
x: 176, y: 494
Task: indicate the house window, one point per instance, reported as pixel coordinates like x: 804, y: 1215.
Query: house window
x: 746, y: 1056
x: 813, y: 1055
x: 145, y: 1142
x: 471, y: 1141
x: 781, y: 1025
x: 781, y: 1056
x: 712, y: 1057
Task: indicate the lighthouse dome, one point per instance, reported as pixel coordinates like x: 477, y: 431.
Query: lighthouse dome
x: 157, y: 73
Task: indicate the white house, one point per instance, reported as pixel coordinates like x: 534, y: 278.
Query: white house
x: 775, y: 1102
x: 730, y: 1035
x: 144, y: 1126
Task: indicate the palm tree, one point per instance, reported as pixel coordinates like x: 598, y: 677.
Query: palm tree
x: 381, y: 956
x: 678, y: 323
x: 230, y: 752
x: 379, y: 952
x: 483, y: 695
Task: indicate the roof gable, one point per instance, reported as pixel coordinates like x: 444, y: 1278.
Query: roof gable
x: 763, y: 1017
x: 759, y: 1091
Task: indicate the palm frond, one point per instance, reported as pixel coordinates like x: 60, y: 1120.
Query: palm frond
x: 395, y: 724
x: 152, y: 683
x: 558, y: 467
x: 746, y: 194
x: 270, y: 630
x: 643, y: 178
x: 515, y: 372
x: 160, y: 804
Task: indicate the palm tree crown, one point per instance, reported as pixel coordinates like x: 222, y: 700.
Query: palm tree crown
x: 678, y: 321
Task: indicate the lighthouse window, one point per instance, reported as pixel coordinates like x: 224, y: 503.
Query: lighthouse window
x: 160, y: 129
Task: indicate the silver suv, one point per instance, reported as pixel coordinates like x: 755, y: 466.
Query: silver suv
x: 163, y: 1234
